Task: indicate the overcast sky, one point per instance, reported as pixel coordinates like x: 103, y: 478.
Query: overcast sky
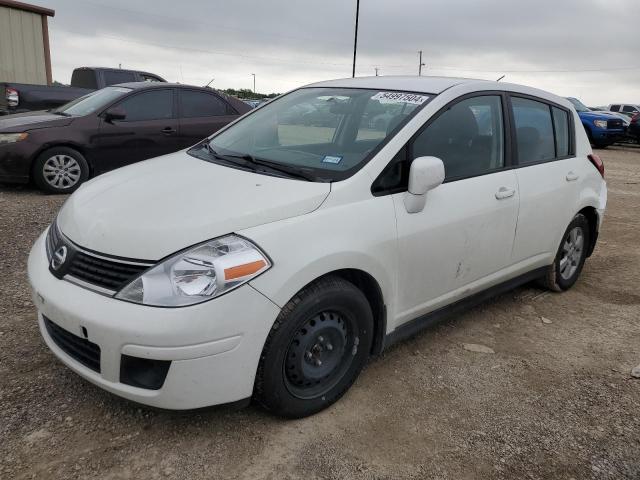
x: 583, y: 48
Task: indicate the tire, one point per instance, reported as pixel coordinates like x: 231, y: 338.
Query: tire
x: 60, y: 170
x: 329, y: 322
x: 561, y: 276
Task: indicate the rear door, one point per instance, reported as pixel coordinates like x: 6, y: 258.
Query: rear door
x: 148, y: 130
x: 201, y: 114
x: 463, y: 238
x: 548, y: 177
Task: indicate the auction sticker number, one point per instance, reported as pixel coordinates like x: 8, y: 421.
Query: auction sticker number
x: 400, y: 97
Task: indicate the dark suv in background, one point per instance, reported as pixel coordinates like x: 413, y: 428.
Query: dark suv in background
x: 118, y: 125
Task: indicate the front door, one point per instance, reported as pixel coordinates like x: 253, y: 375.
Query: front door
x: 149, y: 129
x: 462, y: 240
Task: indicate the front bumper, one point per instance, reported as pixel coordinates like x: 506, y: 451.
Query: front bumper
x: 608, y: 135
x: 15, y: 161
x: 214, y: 347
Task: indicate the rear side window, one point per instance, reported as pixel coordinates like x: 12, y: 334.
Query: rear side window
x: 84, y: 79
x: 534, y: 131
x: 199, y: 104
x: 615, y: 108
x: 468, y: 138
x: 150, y: 105
x: 112, y: 77
x: 629, y: 109
x: 561, y: 127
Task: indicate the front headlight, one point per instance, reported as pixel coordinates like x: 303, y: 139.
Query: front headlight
x: 6, y: 138
x: 198, y: 274
x: 600, y: 123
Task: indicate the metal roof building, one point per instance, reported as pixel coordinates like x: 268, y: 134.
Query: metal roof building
x: 24, y: 43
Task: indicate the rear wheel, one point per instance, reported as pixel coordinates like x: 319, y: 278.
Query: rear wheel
x: 316, y: 349
x: 571, y: 255
x: 60, y: 170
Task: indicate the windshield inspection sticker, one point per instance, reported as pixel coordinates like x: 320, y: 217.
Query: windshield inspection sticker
x: 332, y: 159
x: 400, y: 97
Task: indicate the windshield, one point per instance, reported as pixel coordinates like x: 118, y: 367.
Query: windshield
x: 323, y: 134
x: 580, y: 107
x: 91, y: 102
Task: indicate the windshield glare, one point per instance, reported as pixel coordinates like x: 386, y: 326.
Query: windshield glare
x: 328, y: 132
x: 92, y: 102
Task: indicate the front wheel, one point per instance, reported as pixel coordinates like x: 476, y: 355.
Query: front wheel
x: 571, y: 255
x: 316, y: 349
x: 60, y: 170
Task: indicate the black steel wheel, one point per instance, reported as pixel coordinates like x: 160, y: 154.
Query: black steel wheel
x: 316, y: 349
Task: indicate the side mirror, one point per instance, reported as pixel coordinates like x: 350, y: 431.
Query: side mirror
x: 426, y: 173
x: 115, y: 113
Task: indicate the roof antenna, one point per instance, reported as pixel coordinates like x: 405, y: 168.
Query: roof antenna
x: 500, y: 78
x: 210, y: 81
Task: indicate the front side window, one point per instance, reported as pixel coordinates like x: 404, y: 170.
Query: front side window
x: 150, y: 105
x: 199, y: 104
x: 534, y: 131
x: 325, y: 133
x: 468, y: 138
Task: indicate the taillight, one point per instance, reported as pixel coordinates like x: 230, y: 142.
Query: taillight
x: 12, y: 96
x: 597, y: 162
x: 635, y: 118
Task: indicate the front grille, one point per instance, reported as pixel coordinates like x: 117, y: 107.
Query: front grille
x: 80, y: 349
x: 109, y: 274
x: 614, y: 124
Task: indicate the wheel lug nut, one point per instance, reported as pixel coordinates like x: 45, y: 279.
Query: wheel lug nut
x: 318, y: 362
x: 321, y: 338
x: 329, y: 347
x: 309, y: 355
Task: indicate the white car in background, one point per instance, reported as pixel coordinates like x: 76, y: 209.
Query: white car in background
x: 272, y: 260
x: 627, y: 109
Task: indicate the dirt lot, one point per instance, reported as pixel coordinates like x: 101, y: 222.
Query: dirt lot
x: 555, y: 400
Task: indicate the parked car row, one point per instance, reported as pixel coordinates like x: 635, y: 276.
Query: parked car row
x: 22, y: 97
x: 109, y: 128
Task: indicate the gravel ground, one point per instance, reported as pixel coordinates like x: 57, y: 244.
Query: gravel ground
x: 548, y: 395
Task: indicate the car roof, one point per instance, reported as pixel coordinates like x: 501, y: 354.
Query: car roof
x: 433, y: 85
x: 436, y: 85
x: 138, y: 85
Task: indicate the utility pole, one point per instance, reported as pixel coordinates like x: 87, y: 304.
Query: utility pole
x: 376, y: 69
x: 254, y: 82
x: 420, y: 64
x: 355, y: 39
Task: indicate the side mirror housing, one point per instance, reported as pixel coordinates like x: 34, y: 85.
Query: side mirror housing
x: 115, y: 113
x: 426, y: 173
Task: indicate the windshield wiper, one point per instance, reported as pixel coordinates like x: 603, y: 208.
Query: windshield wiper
x: 56, y: 112
x: 291, y: 171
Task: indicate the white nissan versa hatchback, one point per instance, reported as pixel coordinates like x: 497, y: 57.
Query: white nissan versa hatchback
x: 273, y: 259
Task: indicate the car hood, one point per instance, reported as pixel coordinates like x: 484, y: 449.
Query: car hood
x: 157, y: 207
x: 20, y: 122
x: 594, y: 115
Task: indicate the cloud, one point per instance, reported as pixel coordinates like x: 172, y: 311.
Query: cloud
x: 584, y: 48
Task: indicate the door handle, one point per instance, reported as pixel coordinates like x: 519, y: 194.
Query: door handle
x: 572, y: 177
x: 505, y: 192
x: 168, y: 130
